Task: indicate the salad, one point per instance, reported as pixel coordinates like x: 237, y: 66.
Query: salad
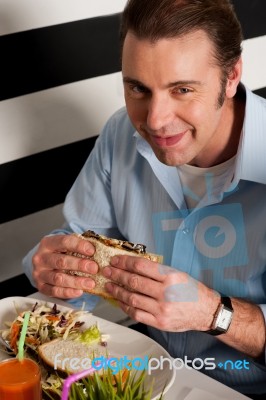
x: 46, y: 323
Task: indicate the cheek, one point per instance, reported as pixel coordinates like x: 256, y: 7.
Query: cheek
x: 136, y: 111
x: 200, y: 115
x: 197, y: 111
x: 189, y: 116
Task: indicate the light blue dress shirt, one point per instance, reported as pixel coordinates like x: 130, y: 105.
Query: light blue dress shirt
x: 124, y: 191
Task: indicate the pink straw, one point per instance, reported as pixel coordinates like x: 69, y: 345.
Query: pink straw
x: 73, y: 378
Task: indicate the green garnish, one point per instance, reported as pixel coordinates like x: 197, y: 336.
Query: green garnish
x: 112, y: 387
x: 125, y: 385
x: 90, y: 335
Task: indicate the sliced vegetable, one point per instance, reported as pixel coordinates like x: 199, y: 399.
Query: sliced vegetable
x: 90, y: 335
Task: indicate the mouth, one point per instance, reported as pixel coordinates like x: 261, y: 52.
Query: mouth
x: 167, y: 141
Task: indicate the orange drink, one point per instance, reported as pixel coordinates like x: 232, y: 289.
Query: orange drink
x: 20, y: 380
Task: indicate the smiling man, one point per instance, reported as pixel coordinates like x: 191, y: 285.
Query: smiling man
x: 168, y: 104
x: 182, y: 169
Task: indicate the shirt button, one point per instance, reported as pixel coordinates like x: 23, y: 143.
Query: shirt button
x: 186, y: 231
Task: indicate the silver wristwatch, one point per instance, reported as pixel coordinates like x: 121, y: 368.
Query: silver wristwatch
x: 223, y: 317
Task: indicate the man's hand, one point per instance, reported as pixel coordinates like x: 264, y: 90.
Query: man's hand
x: 171, y: 300
x: 161, y: 296
x: 51, y: 259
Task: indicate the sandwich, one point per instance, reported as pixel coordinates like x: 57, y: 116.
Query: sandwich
x: 105, y: 249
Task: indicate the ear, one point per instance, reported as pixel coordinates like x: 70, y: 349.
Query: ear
x: 234, y: 79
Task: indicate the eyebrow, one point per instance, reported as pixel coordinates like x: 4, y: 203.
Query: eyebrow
x: 132, y: 81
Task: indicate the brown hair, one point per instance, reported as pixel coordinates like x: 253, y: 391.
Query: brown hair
x: 157, y: 19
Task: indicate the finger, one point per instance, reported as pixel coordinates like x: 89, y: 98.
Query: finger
x: 139, y: 315
x: 71, y: 263
x: 132, y: 299
x: 67, y: 243
x: 59, y: 292
x: 142, y: 266
x: 58, y: 278
x: 135, y: 282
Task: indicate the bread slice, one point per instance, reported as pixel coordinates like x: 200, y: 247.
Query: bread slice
x: 68, y: 355
x: 105, y: 249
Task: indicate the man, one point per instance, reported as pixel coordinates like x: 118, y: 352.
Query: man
x: 182, y: 170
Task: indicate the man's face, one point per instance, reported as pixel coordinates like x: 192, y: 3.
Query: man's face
x: 172, y: 90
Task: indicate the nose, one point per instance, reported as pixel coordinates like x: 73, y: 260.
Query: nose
x: 159, y: 113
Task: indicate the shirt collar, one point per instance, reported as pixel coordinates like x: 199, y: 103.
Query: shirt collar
x: 251, y: 157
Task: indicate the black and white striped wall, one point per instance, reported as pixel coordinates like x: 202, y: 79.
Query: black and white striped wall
x: 59, y: 82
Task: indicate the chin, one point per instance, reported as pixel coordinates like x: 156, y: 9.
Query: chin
x: 171, y: 157
x: 169, y: 160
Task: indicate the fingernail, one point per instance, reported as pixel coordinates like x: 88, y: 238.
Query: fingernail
x: 88, y: 249
x: 114, y: 260
x: 91, y: 268
x: 88, y: 284
x: 107, y: 272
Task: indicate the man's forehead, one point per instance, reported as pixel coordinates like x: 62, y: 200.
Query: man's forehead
x: 179, y: 57
x: 192, y: 36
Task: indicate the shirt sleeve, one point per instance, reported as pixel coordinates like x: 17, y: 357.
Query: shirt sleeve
x: 88, y: 204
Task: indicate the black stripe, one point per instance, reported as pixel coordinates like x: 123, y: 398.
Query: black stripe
x: 17, y: 286
x: 251, y: 14
x: 42, y: 180
x: 261, y: 92
x: 47, y: 57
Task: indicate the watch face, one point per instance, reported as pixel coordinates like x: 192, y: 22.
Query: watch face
x: 224, y: 319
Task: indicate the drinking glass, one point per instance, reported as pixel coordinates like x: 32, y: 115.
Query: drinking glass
x: 20, y: 380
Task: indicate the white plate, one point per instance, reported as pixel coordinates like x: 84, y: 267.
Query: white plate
x: 122, y: 341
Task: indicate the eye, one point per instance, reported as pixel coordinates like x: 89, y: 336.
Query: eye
x: 182, y: 90
x: 138, y: 89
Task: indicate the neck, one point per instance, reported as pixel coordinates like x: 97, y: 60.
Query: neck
x: 227, y: 137
x: 234, y: 127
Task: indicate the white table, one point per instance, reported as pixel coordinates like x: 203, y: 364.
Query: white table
x: 193, y: 385
x: 188, y: 385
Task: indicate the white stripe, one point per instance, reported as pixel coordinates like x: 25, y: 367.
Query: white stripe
x: 20, y: 235
x: 254, y: 62
x: 40, y: 121
x: 21, y: 15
